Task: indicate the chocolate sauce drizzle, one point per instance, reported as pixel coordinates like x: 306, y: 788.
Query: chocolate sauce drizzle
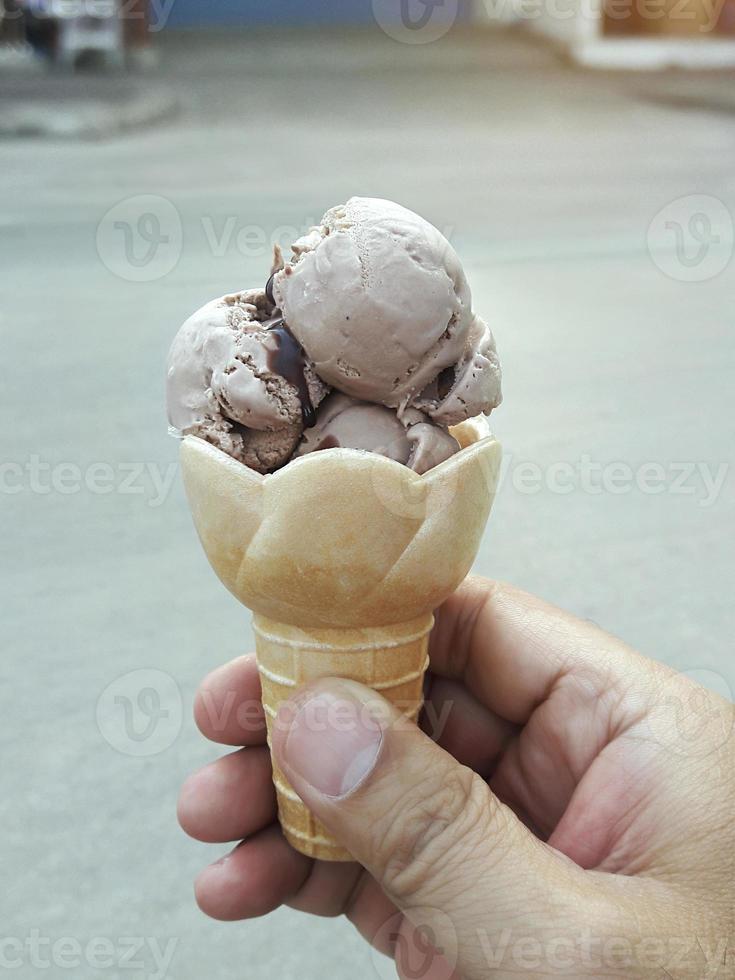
x: 287, y: 359
x: 269, y: 289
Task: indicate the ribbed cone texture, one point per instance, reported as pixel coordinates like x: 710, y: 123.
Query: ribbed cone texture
x: 389, y: 659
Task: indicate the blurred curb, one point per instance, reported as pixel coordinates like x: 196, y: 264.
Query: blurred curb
x: 693, y: 92
x: 58, y: 106
x: 18, y: 58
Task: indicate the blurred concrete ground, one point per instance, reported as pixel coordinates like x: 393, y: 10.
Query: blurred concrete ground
x: 592, y: 218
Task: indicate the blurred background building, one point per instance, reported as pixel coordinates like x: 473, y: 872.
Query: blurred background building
x: 75, y: 33
x: 602, y: 33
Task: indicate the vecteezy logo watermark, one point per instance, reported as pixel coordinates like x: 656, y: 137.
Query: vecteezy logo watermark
x: 686, y: 719
x: 147, y: 955
x: 424, y: 944
x: 140, y: 238
x: 691, y: 239
x: 415, y: 21
x: 141, y: 712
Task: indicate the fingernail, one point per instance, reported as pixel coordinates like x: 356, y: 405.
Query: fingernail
x: 332, y: 743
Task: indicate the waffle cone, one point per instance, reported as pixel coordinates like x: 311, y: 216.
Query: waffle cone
x: 389, y: 659
x: 342, y: 556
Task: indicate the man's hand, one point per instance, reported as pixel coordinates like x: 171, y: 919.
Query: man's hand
x: 572, y: 813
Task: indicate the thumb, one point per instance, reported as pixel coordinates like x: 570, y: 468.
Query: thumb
x: 428, y: 829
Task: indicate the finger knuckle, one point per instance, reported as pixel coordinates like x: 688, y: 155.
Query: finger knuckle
x: 435, y: 829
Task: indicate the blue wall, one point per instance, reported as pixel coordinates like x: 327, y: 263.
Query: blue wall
x: 190, y: 13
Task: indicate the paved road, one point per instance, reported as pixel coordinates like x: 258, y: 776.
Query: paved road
x: 617, y: 500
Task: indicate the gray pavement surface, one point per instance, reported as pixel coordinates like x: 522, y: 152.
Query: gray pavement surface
x: 595, y: 224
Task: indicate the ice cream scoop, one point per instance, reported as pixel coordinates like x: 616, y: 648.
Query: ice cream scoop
x: 378, y: 299
x: 238, y: 378
x: 468, y: 388
x: 347, y: 423
x: 373, y: 304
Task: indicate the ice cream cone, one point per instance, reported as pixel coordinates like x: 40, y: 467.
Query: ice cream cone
x: 342, y: 556
x: 390, y: 659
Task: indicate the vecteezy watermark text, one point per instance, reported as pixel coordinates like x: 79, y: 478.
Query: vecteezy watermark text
x: 156, y: 15
x: 247, y: 715
x: 150, y: 480
x: 150, y: 957
x: 604, y: 953
x: 578, y: 953
x: 141, y: 238
x: 706, y: 12
x: 424, y: 21
x: 701, y: 480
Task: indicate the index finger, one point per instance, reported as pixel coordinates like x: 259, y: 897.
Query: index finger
x: 227, y: 707
x: 512, y: 649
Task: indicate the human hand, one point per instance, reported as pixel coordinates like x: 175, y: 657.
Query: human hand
x: 574, y: 817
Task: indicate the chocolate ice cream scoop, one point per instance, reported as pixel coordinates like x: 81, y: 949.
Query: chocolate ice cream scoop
x: 240, y: 380
x: 468, y: 388
x: 374, y: 304
x: 347, y: 423
x: 378, y: 299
